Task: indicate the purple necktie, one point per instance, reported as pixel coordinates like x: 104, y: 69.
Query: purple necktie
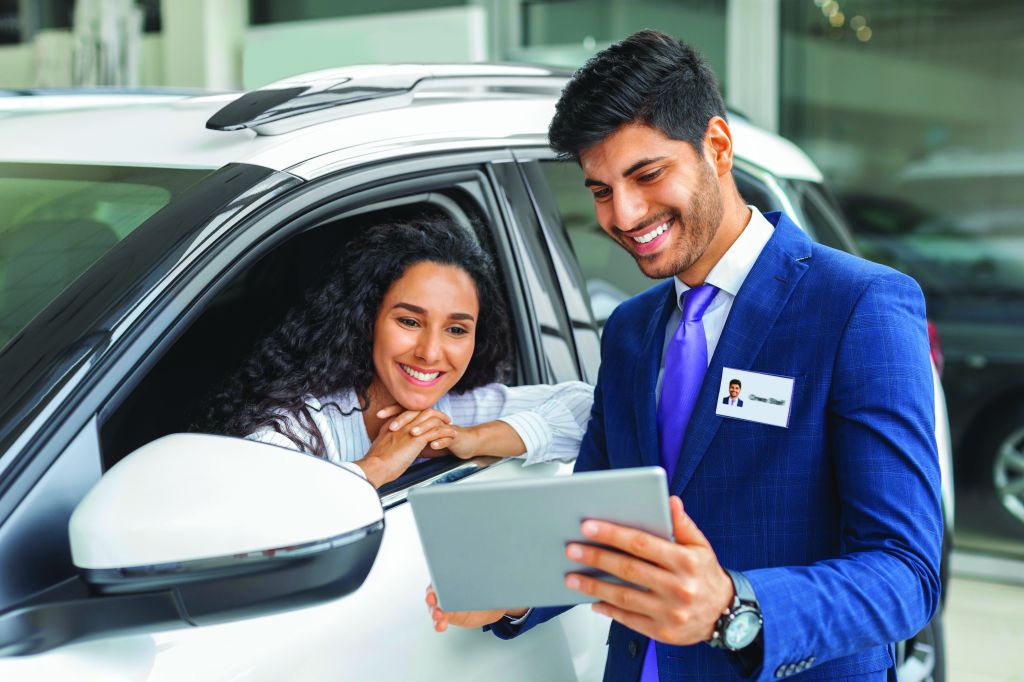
x: 686, y: 363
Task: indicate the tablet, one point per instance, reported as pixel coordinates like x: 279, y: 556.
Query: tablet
x: 501, y: 544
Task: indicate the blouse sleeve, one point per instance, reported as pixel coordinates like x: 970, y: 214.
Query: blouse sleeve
x: 272, y: 437
x: 551, y: 419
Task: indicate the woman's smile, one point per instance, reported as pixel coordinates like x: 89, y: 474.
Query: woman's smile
x: 421, y: 377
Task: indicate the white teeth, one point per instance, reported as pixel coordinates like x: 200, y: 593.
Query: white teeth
x: 422, y: 376
x: 643, y: 239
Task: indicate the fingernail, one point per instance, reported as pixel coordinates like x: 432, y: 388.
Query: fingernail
x: 393, y: 426
x: 575, y: 552
x: 436, y: 444
x: 572, y: 582
x: 415, y: 430
x: 589, y: 528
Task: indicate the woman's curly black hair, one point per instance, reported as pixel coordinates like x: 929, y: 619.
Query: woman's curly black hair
x: 325, y: 345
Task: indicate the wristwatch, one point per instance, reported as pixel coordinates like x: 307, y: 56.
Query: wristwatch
x: 740, y: 624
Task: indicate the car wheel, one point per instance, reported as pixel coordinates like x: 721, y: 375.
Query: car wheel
x: 1002, y: 472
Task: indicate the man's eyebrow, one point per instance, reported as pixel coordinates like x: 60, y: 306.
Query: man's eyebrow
x: 590, y: 182
x: 423, y: 311
x: 640, y: 164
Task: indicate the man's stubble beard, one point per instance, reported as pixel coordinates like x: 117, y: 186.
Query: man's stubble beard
x: 694, y: 233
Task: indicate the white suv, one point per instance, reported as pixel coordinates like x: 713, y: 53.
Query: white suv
x: 146, y: 245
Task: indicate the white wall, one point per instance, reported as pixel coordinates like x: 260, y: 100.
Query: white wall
x: 203, y: 41
x: 275, y: 51
x: 17, y: 66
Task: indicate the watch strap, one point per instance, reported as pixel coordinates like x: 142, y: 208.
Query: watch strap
x: 744, y: 590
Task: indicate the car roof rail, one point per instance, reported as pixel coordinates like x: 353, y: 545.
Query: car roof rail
x: 311, y: 98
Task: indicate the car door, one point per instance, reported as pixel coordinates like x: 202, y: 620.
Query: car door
x: 383, y: 630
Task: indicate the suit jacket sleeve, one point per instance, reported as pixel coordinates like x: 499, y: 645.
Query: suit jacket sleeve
x: 883, y: 585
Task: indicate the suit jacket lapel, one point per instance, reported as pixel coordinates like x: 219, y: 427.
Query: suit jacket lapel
x: 645, y: 373
x: 758, y: 304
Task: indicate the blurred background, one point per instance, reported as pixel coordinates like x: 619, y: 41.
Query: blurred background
x: 913, y: 110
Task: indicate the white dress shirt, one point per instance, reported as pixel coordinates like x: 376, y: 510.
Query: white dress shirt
x: 551, y: 420
x: 728, y: 276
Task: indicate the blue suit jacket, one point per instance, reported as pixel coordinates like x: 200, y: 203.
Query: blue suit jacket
x: 836, y: 519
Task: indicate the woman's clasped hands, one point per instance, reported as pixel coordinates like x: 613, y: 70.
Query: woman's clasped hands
x: 406, y: 435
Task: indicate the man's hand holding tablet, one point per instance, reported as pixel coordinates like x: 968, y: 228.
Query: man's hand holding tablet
x: 686, y: 589
x: 678, y: 605
x: 500, y: 544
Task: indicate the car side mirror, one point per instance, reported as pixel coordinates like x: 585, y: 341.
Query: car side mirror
x: 196, y: 529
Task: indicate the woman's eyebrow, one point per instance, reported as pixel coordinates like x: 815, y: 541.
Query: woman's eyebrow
x: 423, y: 311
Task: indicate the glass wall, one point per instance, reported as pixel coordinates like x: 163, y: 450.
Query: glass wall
x: 913, y: 111
x: 274, y: 11
x: 10, y: 30
x: 567, y: 32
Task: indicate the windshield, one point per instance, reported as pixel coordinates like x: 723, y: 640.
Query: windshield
x: 57, y: 220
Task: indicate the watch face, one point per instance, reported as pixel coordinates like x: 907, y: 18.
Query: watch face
x: 742, y: 630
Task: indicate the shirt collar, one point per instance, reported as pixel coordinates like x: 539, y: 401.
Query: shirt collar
x: 736, y: 263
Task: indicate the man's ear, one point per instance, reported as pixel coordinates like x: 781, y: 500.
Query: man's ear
x: 718, y: 145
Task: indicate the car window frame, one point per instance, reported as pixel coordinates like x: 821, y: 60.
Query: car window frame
x: 63, y: 398
x: 585, y: 329
x: 538, y: 276
x: 155, y: 324
x: 328, y: 198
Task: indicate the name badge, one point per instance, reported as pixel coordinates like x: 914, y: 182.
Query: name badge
x: 755, y: 397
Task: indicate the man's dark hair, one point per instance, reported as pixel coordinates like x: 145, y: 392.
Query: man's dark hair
x: 648, y: 78
x: 737, y: 382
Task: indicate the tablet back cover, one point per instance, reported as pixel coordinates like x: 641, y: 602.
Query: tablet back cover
x: 501, y: 544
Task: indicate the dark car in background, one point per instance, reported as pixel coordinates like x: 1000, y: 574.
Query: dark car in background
x: 949, y: 222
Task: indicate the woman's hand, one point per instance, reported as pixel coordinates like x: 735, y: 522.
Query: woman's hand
x: 401, y: 440
x: 464, y: 619
x: 465, y: 442
x: 493, y: 439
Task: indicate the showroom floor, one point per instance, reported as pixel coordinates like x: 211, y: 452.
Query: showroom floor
x: 985, y: 622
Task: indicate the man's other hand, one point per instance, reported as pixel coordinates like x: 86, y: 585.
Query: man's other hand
x: 464, y: 619
x: 687, y: 589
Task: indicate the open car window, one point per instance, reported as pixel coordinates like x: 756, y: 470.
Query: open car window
x: 251, y: 302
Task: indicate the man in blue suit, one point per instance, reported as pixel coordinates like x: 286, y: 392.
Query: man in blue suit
x: 734, y: 394
x: 808, y: 544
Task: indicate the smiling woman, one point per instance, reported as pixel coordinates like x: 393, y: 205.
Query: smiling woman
x: 397, y: 356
